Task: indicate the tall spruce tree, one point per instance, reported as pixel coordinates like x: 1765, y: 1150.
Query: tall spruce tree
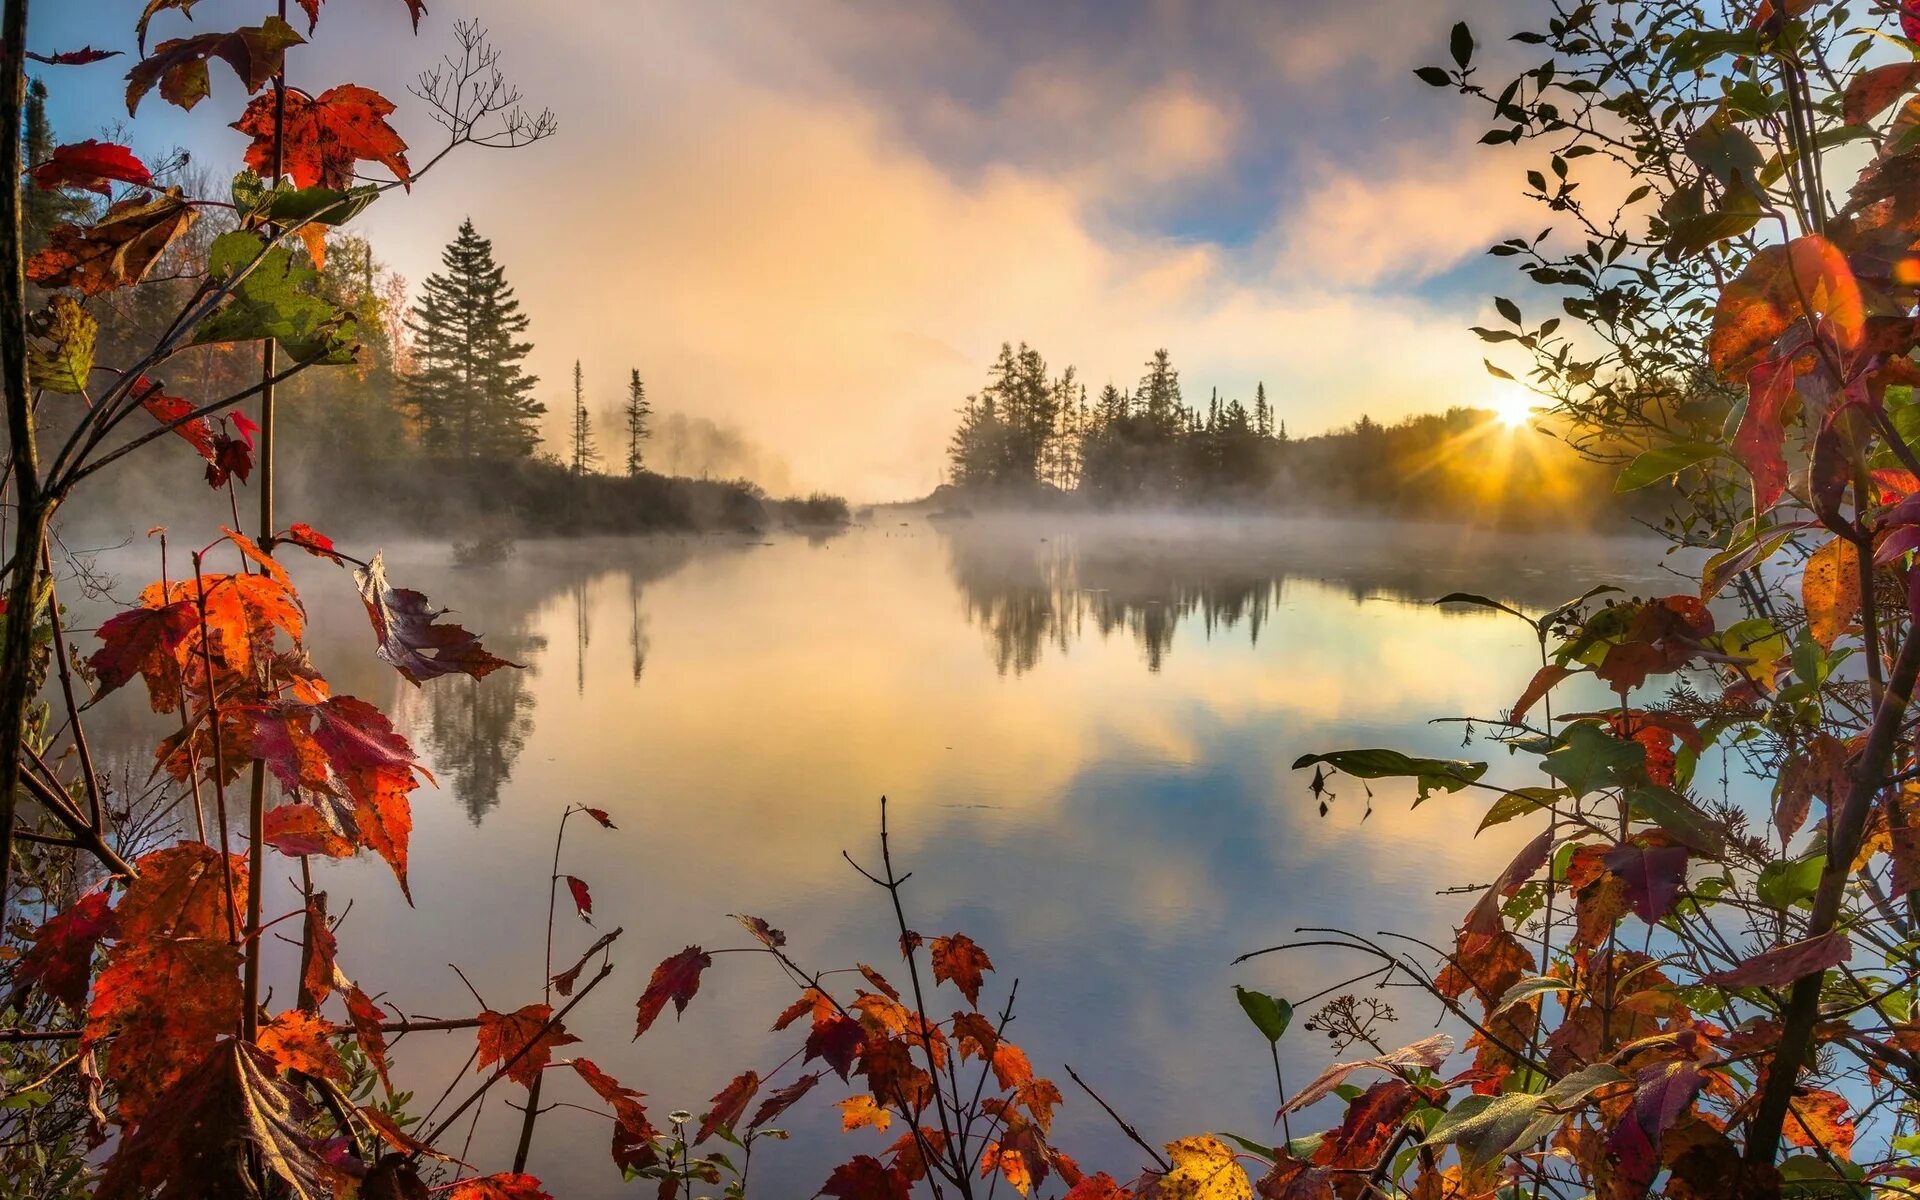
x: 468, y: 391
x: 639, y: 415
x: 585, y: 456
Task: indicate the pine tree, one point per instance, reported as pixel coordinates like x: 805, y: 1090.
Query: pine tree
x: 1262, y: 411
x: 639, y: 422
x: 1158, y: 399
x: 585, y: 457
x: 467, y: 390
x: 42, y: 209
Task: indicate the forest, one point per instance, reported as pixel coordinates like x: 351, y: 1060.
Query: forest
x: 1636, y: 864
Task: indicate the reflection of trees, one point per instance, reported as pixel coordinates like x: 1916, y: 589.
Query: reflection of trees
x: 1029, y: 584
x: 478, y: 727
x: 637, y: 640
x: 1026, y: 599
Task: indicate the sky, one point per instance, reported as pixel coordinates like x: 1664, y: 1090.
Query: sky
x: 816, y: 221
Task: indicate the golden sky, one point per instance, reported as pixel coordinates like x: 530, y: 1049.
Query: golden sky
x: 816, y: 220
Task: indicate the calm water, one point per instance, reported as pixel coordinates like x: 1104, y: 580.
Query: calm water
x: 1085, y: 734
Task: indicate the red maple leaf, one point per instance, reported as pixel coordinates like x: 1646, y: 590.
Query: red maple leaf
x: 782, y: 1100
x: 837, y: 1040
x: 73, y: 58
x: 171, y: 411
x: 325, y: 136
x: 865, y: 1178
x: 504, y: 1186
x: 89, y: 165
x: 676, y: 979
x: 504, y: 1035
x: 633, y: 1134
x: 582, y: 898
x: 61, y: 958
x: 728, y: 1105
x: 144, y: 642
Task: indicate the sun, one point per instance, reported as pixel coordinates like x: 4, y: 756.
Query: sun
x: 1512, y: 407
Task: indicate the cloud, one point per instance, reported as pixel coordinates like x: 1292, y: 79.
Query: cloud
x: 1429, y: 208
x: 817, y: 222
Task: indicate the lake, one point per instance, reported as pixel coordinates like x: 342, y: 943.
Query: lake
x: 1085, y: 731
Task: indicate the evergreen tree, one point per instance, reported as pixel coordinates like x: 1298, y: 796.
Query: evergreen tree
x: 1262, y: 411
x: 42, y: 209
x: 468, y: 391
x: 585, y: 457
x: 639, y: 415
x: 1158, y: 400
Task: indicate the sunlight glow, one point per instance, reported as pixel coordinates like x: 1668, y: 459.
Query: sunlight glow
x: 1513, y: 407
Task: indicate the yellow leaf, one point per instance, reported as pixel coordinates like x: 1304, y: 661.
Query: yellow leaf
x: 856, y: 1111
x: 1830, y: 590
x: 1204, y: 1169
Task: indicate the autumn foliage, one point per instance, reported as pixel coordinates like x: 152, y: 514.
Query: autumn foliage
x: 1662, y: 991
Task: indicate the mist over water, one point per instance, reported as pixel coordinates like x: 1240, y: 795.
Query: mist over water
x: 1084, y: 727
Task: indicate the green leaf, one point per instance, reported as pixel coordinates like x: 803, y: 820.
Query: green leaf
x: 1589, y: 759
x: 1675, y: 814
x: 1574, y: 1088
x: 1252, y: 1147
x: 1487, y: 1127
x: 1784, y: 884
x: 1507, y: 309
x: 1434, y: 76
x: 275, y: 301
x: 1518, y: 803
x: 284, y: 204
x: 1269, y: 1014
x: 1445, y: 773
x: 60, y: 351
x: 1662, y: 462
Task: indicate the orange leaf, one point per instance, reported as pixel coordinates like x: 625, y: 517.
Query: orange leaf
x: 1808, y: 278
x: 164, y: 1002
x: 116, y: 251
x: 505, y: 1035
x: 366, y: 1017
x: 858, y: 1112
x: 1821, y: 1118
x: 321, y: 975
x: 325, y: 136
x: 1830, y: 590
x: 300, y: 1041
x: 959, y: 960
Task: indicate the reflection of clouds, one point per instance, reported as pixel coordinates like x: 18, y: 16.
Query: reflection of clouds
x: 1113, y: 835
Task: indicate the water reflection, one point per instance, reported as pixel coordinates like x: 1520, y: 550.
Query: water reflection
x: 476, y: 728
x: 1030, y: 584
x: 1102, y: 797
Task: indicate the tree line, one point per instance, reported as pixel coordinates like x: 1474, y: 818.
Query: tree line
x: 1032, y: 435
